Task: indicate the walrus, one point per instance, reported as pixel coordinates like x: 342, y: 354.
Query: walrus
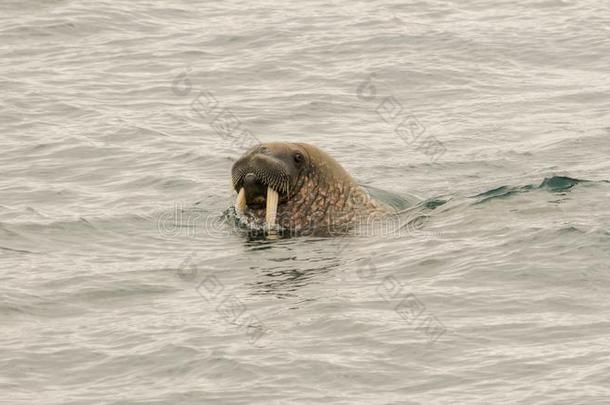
x: 298, y: 188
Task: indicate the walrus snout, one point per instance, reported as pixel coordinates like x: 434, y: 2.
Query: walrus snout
x: 261, y: 180
x: 255, y: 190
x: 267, y: 170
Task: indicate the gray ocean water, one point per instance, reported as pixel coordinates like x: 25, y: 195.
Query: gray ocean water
x: 123, y: 281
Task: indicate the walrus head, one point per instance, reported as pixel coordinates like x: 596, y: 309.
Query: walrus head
x: 294, y: 185
x: 267, y: 176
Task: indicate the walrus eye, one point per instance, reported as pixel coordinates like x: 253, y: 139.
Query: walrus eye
x: 298, y: 158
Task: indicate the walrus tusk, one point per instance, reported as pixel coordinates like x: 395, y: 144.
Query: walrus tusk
x: 240, y: 202
x: 271, y: 211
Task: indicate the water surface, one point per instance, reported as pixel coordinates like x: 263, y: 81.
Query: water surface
x: 123, y: 283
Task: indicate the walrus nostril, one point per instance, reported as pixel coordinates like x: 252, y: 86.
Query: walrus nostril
x: 250, y: 179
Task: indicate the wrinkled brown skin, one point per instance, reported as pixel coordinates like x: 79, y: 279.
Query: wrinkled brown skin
x: 324, y: 198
